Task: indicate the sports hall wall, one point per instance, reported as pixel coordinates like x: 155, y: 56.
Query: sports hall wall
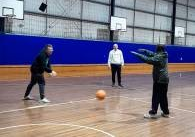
x: 17, y: 52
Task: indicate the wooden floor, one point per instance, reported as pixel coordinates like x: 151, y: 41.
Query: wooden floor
x: 74, y: 111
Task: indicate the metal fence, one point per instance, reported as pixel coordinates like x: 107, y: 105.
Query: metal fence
x: 148, y: 21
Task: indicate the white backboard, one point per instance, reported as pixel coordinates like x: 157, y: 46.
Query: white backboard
x: 118, y: 23
x: 12, y: 7
x: 179, y: 32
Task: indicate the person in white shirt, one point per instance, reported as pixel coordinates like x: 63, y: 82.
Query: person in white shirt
x: 115, y: 62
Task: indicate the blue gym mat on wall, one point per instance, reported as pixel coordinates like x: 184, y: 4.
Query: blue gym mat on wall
x: 21, y: 50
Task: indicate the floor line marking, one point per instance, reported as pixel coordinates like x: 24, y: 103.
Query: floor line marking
x: 59, y: 124
x: 86, y: 100
x: 169, y: 107
x: 51, y: 105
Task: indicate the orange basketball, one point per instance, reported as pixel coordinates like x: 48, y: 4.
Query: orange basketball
x: 100, y: 94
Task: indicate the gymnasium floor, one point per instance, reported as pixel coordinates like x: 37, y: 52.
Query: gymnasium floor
x: 74, y: 111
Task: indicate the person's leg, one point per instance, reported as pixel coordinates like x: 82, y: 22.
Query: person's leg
x: 41, y: 82
x: 163, y: 99
x: 155, y: 102
x: 119, y: 74
x: 113, y: 69
x: 155, y: 99
x: 30, y: 85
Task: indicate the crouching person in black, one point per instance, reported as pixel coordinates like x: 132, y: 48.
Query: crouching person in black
x: 159, y: 60
x: 39, y: 65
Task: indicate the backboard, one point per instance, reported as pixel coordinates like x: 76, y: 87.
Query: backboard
x: 118, y: 23
x: 179, y: 32
x: 12, y: 8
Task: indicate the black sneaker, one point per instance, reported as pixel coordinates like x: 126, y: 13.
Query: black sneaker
x: 165, y: 115
x: 120, y: 85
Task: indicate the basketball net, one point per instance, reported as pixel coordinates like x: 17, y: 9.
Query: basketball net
x: 10, y: 17
x: 119, y: 32
x: 9, y: 22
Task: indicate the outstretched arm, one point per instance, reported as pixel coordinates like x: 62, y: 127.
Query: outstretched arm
x: 147, y: 52
x: 155, y: 60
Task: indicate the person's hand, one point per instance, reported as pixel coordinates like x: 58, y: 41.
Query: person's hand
x: 109, y: 67
x: 53, y: 74
x: 141, y: 50
x: 133, y: 52
x: 122, y: 66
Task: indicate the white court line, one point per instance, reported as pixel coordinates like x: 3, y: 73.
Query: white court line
x: 51, y: 105
x: 181, y: 94
x: 59, y: 124
x: 46, y: 105
x: 188, y: 99
x: 72, y: 102
x: 137, y: 99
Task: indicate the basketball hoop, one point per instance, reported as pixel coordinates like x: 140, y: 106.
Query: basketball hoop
x: 9, y: 22
x: 179, y: 32
x: 120, y: 31
x: 10, y: 17
x: 118, y: 23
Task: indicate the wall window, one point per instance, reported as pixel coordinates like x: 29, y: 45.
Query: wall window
x: 162, y: 23
x: 128, y: 14
x: 181, y: 11
x: 144, y: 20
x: 125, y: 3
x: 33, y: 5
x: 182, y: 2
x: 162, y: 37
x: 164, y: 7
x: 191, y: 13
x: 103, y: 1
x: 63, y: 28
x: 190, y: 40
x: 64, y: 8
x: 191, y: 27
x: 95, y: 31
x: 191, y: 3
x: 95, y: 12
x: 143, y: 36
x: 33, y: 25
x: 125, y: 36
x: 145, y: 5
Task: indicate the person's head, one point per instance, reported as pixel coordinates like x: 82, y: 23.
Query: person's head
x: 115, y: 46
x: 48, y: 49
x: 160, y: 48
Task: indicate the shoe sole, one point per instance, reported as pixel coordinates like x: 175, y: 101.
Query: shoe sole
x: 28, y: 99
x: 44, y: 101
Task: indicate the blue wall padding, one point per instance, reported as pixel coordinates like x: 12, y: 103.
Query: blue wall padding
x: 21, y: 50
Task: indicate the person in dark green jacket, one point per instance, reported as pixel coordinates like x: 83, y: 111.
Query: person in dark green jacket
x: 159, y: 60
x: 39, y: 65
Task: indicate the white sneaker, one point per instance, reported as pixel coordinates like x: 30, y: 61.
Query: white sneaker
x: 45, y: 100
x: 28, y: 98
x: 150, y: 116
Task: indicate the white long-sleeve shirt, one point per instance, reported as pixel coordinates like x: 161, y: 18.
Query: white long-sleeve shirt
x: 115, y: 57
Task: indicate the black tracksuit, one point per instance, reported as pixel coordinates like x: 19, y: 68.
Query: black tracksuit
x: 159, y: 60
x: 39, y: 65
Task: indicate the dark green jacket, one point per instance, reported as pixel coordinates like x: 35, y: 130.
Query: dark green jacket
x: 41, y: 63
x: 159, y: 61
